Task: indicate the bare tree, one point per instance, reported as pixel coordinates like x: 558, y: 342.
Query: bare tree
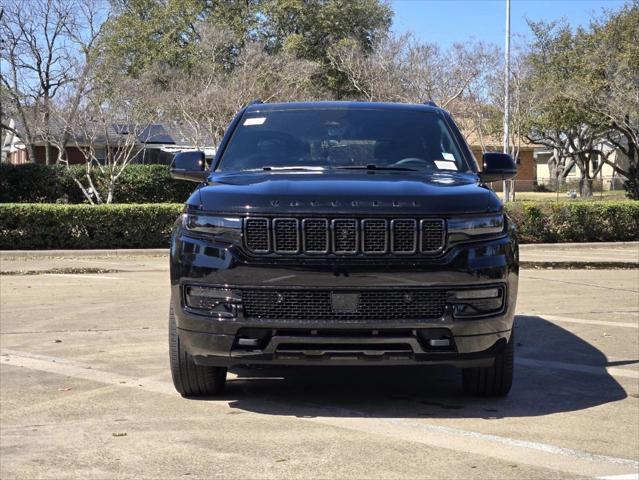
x: 403, y: 69
x: 206, y: 99
x: 37, y: 60
x: 110, y: 130
x: 83, y: 32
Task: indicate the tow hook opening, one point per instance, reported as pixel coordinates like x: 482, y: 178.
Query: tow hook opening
x: 436, y: 339
x: 253, y: 338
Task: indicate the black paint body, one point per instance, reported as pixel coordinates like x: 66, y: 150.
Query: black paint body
x: 200, y: 261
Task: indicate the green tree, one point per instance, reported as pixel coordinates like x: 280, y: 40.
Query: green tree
x: 608, y: 87
x: 584, y: 87
x: 308, y: 28
x: 557, y: 119
x: 142, y: 34
x: 145, y: 34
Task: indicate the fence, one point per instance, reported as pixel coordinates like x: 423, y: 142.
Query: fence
x: 551, y: 189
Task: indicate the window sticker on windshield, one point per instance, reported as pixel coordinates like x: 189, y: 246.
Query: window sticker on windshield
x: 448, y: 156
x: 445, y: 165
x: 255, y: 121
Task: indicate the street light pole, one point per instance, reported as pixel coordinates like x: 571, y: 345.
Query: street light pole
x: 506, y: 184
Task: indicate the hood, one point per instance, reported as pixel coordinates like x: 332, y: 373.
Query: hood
x: 345, y: 192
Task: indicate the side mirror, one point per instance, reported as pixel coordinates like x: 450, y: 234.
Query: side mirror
x: 189, y: 166
x: 497, y: 166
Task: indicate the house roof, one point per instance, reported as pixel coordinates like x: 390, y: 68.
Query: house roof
x: 166, y: 133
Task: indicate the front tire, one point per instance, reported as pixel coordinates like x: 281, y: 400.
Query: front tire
x: 190, y: 379
x: 493, y: 381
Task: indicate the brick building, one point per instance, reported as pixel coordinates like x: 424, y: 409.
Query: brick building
x: 154, y: 144
x: 526, y: 177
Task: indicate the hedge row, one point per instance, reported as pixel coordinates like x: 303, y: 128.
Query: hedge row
x: 31, y: 183
x: 601, y: 221
x: 42, y: 226
x: 49, y: 226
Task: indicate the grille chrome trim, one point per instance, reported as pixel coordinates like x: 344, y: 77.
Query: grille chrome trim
x: 247, y: 240
x: 365, y: 236
x: 442, y: 243
x: 335, y: 240
x: 277, y: 221
x: 327, y: 235
x: 374, y: 236
x: 394, y: 249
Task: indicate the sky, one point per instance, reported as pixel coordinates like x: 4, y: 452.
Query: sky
x: 445, y: 22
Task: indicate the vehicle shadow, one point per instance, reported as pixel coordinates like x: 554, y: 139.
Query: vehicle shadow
x: 435, y: 392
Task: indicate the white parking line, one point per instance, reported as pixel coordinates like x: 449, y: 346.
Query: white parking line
x: 488, y: 445
x: 62, y: 366
x: 557, y: 318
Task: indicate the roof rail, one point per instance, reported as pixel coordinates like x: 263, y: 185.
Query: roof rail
x: 430, y: 103
x: 255, y: 101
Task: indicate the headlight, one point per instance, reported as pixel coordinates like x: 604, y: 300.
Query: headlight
x: 476, y: 302
x: 216, y: 301
x: 228, y: 229
x: 473, y: 226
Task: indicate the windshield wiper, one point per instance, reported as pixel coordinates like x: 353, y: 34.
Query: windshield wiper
x: 372, y: 166
x: 299, y: 167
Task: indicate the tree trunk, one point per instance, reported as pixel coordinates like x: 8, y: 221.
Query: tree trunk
x: 31, y: 153
x: 47, y: 153
x: 585, y: 186
x: 111, y: 189
x: 633, y: 157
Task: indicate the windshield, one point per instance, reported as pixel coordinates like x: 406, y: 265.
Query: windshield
x: 400, y: 139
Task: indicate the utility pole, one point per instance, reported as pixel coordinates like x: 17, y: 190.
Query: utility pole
x: 1, y: 96
x: 506, y: 183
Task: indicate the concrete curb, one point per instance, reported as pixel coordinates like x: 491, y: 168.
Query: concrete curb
x: 576, y: 265
x: 568, y: 246
x: 130, y: 252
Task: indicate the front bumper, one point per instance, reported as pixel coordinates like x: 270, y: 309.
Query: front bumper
x: 213, y: 340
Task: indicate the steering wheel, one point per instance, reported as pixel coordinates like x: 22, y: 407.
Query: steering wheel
x: 429, y: 164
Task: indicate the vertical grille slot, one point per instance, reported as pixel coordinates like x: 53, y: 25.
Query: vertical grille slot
x: 315, y: 235
x: 286, y: 235
x: 404, y: 236
x: 345, y: 236
x: 374, y: 236
x: 257, y: 234
x: 432, y: 235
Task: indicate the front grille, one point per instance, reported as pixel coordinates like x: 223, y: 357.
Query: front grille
x: 432, y: 232
x: 286, y: 235
x: 317, y: 304
x: 256, y: 233
x: 344, y: 236
x: 315, y: 234
x: 404, y: 233
x: 375, y: 236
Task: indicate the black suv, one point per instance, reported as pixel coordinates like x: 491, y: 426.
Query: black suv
x: 342, y: 233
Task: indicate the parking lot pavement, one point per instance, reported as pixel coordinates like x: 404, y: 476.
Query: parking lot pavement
x: 85, y: 392
x: 588, y: 254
